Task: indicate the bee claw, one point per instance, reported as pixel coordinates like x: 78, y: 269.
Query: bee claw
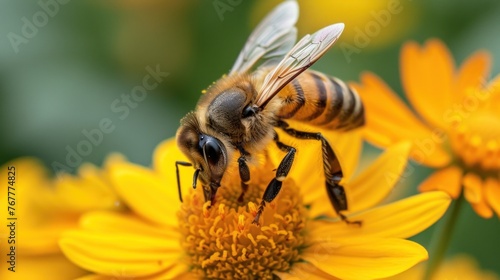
x: 256, y: 221
x: 344, y: 219
x: 259, y: 212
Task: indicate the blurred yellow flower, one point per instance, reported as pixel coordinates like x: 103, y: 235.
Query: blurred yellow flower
x: 160, y: 238
x: 459, y: 267
x: 459, y: 129
x: 44, y: 208
x: 368, y: 24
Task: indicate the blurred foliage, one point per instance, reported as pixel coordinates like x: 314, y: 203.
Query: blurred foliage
x: 88, y: 54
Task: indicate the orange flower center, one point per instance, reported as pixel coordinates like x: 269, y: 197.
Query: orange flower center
x: 476, y: 141
x: 222, y: 242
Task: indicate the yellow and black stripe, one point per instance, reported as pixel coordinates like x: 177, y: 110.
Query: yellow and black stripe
x: 323, y: 101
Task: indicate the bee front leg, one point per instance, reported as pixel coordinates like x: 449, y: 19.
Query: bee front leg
x: 331, y: 167
x: 274, y: 186
x: 244, y: 172
x: 183, y: 163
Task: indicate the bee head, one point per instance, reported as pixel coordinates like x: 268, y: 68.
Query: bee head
x: 207, y: 153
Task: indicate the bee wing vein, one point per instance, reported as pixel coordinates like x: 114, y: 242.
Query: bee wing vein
x: 272, y: 38
x: 304, y: 54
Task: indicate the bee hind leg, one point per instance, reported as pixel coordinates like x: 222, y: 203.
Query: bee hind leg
x: 331, y: 167
x: 336, y: 194
x: 274, y: 186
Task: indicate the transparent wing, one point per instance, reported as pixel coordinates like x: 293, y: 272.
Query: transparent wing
x: 304, y: 54
x: 271, y: 39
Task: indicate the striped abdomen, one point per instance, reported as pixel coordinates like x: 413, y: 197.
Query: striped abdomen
x: 323, y: 101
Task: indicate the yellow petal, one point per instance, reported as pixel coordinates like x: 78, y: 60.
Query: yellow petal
x: 130, y: 254
x: 109, y: 161
x: 385, y: 127
x: 42, y: 239
x: 458, y: 267
x: 48, y: 266
x: 427, y: 75
x: 144, y: 192
x: 113, y: 158
x: 464, y: 267
x: 193, y: 276
x: 492, y: 194
x: 372, y: 185
x: 303, y: 270
x: 374, y: 258
x: 32, y: 169
x: 87, y: 191
x: 117, y: 223
x: 492, y: 91
x: 164, y: 158
x: 428, y: 151
x: 94, y: 277
x: 377, y: 181
x: 447, y: 179
x: 472, y: 74
x: 40, y: 226
x: 403, y: 219
x: 472, y: 188
x: 177, y: 271
x: 482, y: 209
x: 28, y: 188
x: 473, y: 192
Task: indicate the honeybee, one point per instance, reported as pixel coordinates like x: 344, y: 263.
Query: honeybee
x: 239, y: 113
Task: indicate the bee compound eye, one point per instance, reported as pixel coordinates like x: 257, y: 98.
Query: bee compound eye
x: 212, y: 152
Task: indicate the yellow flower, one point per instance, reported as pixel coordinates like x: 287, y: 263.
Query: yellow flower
x: 160, y: 238
x: 458, y: 127
x: 43, y: 208
x: 459, y: 267
x: 368, y: 24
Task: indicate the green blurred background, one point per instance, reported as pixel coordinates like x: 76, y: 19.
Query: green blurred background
x: 86, y: 54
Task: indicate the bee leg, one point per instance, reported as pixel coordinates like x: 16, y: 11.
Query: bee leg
x: 331, y: 168
x: 182, y: 163
x: 274, y: 186
x: 244, y: 172
x: 338, y: 199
